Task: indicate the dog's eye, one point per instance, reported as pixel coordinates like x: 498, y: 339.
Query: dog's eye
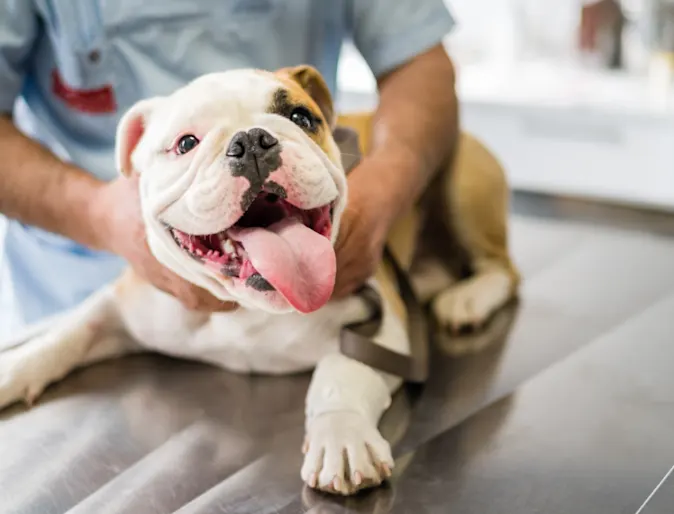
x: 303, y: 119
x: 186, y: 144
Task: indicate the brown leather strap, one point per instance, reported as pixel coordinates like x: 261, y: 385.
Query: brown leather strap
x: 356, y: 338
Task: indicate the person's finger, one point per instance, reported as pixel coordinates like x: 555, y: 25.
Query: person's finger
x: 351, y: 281
x: 348, y: 282
x: 227, y: 307
x: 210, y: 303
x: 347, y: 289
x: 192, y: 297
x: 345, y: 272
x: 202, y: 300
x: 341, y: 287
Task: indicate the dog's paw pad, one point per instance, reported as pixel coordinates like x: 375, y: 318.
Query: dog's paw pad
x: 345, y: 454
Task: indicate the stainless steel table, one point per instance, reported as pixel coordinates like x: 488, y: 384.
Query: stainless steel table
x: 568, y: 407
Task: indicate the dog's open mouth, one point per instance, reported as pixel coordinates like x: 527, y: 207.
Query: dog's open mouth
x: 274, y: 246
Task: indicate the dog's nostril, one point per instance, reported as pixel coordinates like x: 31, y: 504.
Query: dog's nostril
x: 272, y: 198
x: 236, y: 149
x: 267, y: 141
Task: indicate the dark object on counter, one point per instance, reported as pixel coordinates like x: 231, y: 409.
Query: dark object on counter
x: 601, y: 31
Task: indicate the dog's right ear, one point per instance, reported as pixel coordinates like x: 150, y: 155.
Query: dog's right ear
x: 129, y: 132
x: 313, y: 83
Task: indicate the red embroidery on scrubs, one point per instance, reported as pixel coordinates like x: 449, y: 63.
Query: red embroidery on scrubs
x: 92, y: 101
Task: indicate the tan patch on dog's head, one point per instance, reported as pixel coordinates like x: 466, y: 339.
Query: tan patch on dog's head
x: 303, y: 88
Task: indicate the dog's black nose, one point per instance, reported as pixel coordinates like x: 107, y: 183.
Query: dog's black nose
x: 254, y: 154
x: 264, y: 139
x: 256, y: 141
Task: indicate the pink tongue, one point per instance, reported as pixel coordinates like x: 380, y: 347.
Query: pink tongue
x: 297, y: 261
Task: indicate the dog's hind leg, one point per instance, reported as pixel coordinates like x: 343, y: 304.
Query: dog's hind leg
x: 475, y: 204
x: 91, y: 332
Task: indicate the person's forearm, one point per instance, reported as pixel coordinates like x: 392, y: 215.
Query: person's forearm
x: 415, y: 128
x: 38, y: 189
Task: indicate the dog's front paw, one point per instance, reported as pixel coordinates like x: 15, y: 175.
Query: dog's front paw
x: 344, y: 453
x: 20, y: 377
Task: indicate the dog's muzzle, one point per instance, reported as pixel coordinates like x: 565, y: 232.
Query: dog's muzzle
x: 273, y: 245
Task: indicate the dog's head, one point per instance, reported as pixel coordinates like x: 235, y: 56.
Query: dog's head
x: 241, y: 184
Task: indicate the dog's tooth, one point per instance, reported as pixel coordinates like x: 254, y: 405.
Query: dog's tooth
x: 228, y: 246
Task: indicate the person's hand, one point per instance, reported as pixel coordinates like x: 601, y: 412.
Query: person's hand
x: 362, y: 234
x: 122, y: 231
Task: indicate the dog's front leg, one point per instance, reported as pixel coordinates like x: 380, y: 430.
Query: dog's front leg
x: 344, y: 451
x: 91, y: 332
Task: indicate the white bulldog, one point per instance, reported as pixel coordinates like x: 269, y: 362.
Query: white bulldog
x: 242, y: 191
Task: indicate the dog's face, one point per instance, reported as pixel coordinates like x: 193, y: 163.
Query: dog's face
x: 241, y: 184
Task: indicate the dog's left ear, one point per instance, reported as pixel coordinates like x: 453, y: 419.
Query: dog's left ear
x: 310, y: 79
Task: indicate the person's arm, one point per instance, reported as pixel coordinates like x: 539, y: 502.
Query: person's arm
x: 415, y: 131
x: 37, y: 188
x: 415, y: 126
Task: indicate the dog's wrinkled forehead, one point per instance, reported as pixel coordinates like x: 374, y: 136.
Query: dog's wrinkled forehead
x: 216, y: 106
x: 238, y: 97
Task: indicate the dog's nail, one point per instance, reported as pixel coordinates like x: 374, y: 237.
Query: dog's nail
x: 386, y: 470
x: 357, y: 478
x: 29, y: 397
x: 336, y: 483
x: 313, y: 480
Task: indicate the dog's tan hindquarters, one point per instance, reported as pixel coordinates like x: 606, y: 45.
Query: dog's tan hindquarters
x: 476, y: 199
x: 474, y: 205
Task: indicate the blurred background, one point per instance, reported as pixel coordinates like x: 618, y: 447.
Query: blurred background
x: 573, y: 96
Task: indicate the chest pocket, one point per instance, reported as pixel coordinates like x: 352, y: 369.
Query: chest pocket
x: 77, y: 34
x: 91, y: 37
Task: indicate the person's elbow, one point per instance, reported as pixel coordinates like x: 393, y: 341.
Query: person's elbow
x: 432, y: 67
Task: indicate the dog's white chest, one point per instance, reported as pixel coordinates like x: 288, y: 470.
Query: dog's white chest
x: 249, y: 341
